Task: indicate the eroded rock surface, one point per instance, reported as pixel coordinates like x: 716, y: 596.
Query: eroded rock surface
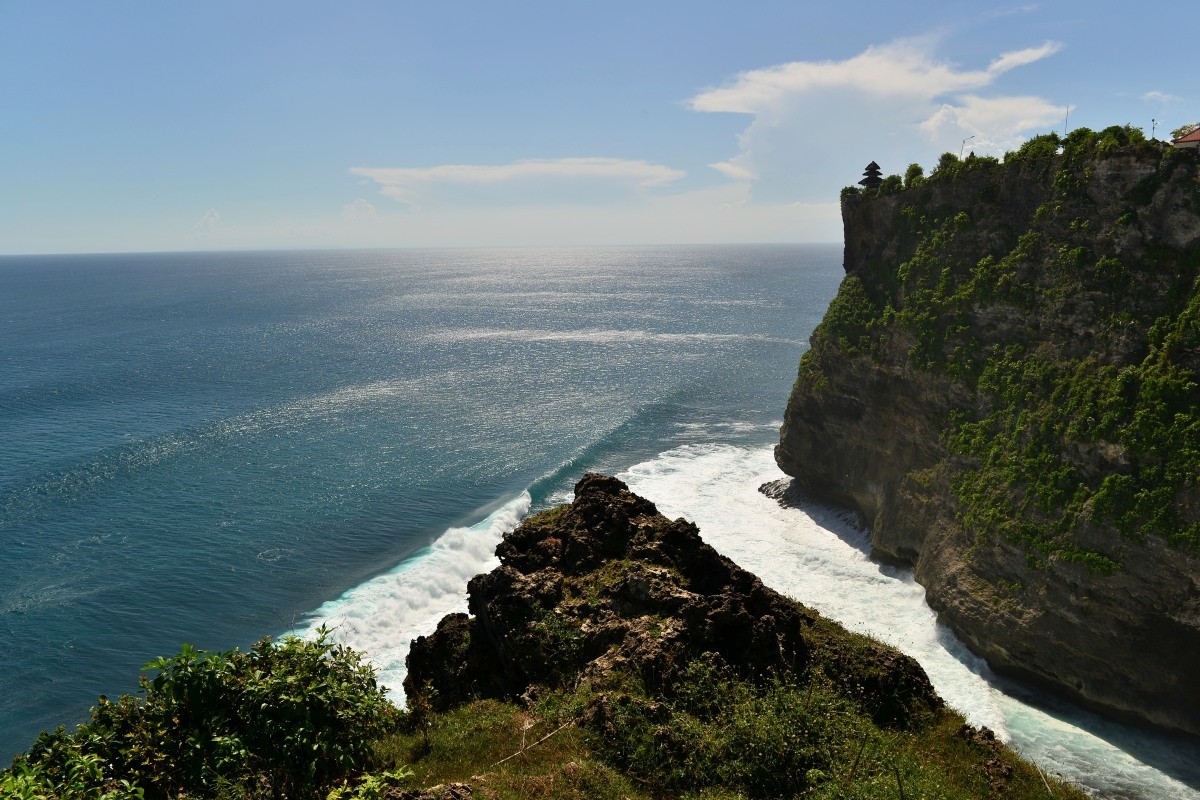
x: 607, y: 584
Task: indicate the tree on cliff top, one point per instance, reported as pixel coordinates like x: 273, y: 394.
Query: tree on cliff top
x: 1184, y: 130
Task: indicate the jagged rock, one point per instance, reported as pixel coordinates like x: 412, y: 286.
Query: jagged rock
x: 608, y: 583
x: 868, y: 420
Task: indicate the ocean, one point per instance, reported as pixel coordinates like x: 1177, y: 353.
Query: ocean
x: 215, y: 447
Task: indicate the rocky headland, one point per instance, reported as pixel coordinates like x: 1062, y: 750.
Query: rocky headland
x: 686, y: 674
x: 607, y: 584
x: 1005, y: 388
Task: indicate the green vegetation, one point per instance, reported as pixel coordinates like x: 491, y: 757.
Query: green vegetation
x: 1041, y: 407
x: 320, y: 729
x: 950, y: 167
x: 303, y: 719
x: 287, y: 719
x: 716, y: 737
x: 850, y: 317
x: 1039, y: 147
x: 914, y: 176
x: 1184, y: 130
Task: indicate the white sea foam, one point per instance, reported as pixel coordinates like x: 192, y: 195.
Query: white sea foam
x: 819, y: 557
x: 816, y: 555
x: 382, y: 616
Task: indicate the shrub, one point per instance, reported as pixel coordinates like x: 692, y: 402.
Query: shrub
x: 914, y: 176
x: 948, y: 167
x: 75, y: 775
x: 294, y: 716
x: 1044, y: 146
x: 373, y: 787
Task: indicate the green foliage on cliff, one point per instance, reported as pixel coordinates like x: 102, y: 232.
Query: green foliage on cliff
x: 1076, y: 340
x: 1044, y: 146
x: 283, y: 719
x: 851, y: 317
x: 914, y: 176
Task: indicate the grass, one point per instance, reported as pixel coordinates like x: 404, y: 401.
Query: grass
x: 716, y: 737
x: 490, y: 744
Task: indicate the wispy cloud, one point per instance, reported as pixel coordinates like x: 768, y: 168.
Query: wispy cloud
x: 359, y: 211
x: 403, y: 183
x: 205, y: 225
x: 734, y: 171
x: 905, y: 67
x: 816, y: 122
x: 1155, y: 96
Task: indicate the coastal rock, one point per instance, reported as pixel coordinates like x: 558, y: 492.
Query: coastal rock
x: 607, y: 584
x: 982, y: 392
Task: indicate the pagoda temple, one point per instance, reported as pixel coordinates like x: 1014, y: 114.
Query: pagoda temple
x: 872, y: 176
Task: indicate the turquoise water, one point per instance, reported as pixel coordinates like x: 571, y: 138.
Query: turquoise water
x: 206, y: 447
x: 215, y: 447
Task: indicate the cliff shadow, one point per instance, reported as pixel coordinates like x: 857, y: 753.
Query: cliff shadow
x: 1176, y: 755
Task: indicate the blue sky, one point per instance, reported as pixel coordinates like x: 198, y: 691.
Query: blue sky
x: 130, y: 126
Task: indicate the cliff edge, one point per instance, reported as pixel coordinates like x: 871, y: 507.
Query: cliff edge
x: 1005, y: 388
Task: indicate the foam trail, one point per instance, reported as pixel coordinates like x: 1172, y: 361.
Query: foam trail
x: 819, y: 557
x: 382, y: 616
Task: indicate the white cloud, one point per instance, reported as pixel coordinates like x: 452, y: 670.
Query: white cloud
x: 815, y: 123
x: 1155, y: 96
x: 359, y: 211
x: 905, y: 68
x: 404, y: 183
x: 731, y: 169
x: 207, y: 223
x: 996, y: 123
x: 1019, y: 58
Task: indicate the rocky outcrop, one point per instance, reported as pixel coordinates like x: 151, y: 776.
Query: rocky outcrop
x: 1005, y: 389
x: 607, y: 585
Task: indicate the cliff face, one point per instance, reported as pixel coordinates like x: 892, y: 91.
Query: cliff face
x: 1005, y: 388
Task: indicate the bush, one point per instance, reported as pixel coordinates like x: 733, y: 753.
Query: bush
x: 1044, y: 146
x: 891, y: 184
x: 75, y: 775
x: 948, y: 167
x: 287, y: 717
x: 914, y: 176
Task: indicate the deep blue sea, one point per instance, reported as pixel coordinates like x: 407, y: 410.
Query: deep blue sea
x: 211, y: 448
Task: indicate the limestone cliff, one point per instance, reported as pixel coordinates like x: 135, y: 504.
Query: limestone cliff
x: 1005, y: 387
